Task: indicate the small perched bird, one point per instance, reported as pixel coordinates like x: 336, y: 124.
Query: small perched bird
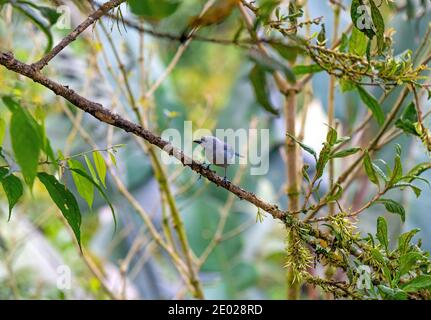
x: 217, y: 152
x: 217, y: 13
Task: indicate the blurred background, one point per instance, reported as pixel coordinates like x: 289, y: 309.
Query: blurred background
x: 240, y: 257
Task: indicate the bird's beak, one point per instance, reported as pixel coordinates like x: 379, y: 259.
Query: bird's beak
x: 197, y: 141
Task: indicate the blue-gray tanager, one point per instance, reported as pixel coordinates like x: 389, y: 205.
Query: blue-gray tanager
x: 217, y: 152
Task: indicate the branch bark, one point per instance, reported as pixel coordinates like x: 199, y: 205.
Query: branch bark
x: 108, y: 117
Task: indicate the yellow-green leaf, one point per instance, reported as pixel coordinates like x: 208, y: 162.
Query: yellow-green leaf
x: 100, y: 164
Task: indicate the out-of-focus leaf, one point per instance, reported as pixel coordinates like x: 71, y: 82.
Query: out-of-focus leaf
x: 306, y: 69
x: 37, y: 22
x: 2, y: 130
x: 244, y: 275
x: 258, y: 80
x: 269, y: 64
x: 26, y: 143
x: 65, y: 201
x: 216, y: 14
x: 288, y: 52
x: 154, y: 9
x: 12, y: 187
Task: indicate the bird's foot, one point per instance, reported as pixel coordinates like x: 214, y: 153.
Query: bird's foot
x: 225, y: 180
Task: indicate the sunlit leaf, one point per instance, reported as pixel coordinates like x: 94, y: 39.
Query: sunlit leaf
x: 84, y: 187
x: 100, y: 165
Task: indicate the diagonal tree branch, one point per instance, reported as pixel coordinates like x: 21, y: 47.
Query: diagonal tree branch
x: 106, y: 116
x: 96, y: 15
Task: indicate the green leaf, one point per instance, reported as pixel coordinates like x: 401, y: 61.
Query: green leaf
x: 378, y: 257
x: 91, y: 169
x: 100, y: 164
x: 404, y: 240
x: 382, y: 232
x: 372, y: 104
x: 393, y: 207
x: 50, y: 14
x: 258, y: 80
x: 321, y: 37
x: 26, y: 143
x: 380, y: 172
x: 408, y: 261
x: 418, y: 170
x: 408, y: 119
x: 397, y: 172
x: 287, y: 51
x: 12, y: 187
x: 393, y: 294
x: 2, y: 130
x: 331, y: 136
x: 84, y: 175
x: 306, y: 69
x: 422, y: 281
x: 65, y: 201
x: 10, y: 103
x: 369, y: 169
x: 154, y: 9
x: 324, y: 157
x: 336, y: 194
x: 379, y: 25
x: 308, y: 149
x: 358, y: 42
x: 113, y: 159
x: 361, y: 19
x: 415, y: 189
x: 347, y: 85
x: 269, y: 64
x: 345, y: 153
x: 37, y: 22
x: 84, y: 187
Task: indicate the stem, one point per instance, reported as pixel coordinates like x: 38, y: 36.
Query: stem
x: 293, y: 182
x: 331, y: 105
